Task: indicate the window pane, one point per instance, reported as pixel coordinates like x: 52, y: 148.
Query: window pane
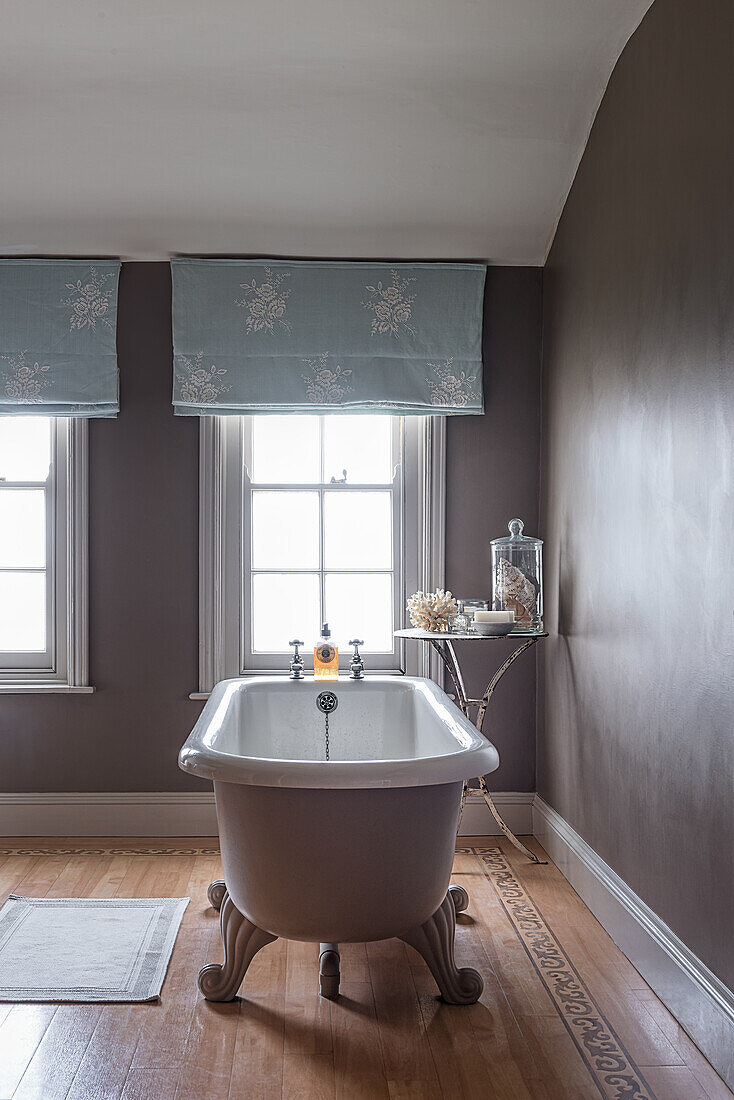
x: 22, y: 527
x: 285, y: 530
x: 22, y: 612
x: 361, y: 445
x: 284, y: 606
x: 359, y: 605
x: 25, y: 448
x: 285, y: 450
x: 357, y: 530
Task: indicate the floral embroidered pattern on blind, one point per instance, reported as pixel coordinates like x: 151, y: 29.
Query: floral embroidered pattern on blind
x: 447, y: 388
x: 266, y: 302
x: 391, y: 305
x: 90, y: 301
x: 323, y: 385
x: 200, y: 385
x: 23, y: 381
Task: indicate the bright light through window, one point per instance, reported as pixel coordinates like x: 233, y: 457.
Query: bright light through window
x: 323, y: 514
x: 25, y: 503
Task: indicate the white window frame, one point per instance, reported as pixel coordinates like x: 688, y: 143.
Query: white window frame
x: 65, y: 666
x: 267, y: 663
x: 222, y: 526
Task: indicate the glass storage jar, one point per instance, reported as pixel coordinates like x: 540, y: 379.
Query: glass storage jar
x: 459, y: 623
x: 517, y: 577
x: 467, y: 606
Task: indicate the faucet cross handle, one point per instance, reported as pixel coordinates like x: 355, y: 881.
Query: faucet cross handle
x: 296, y: 663
x: 356, y: 665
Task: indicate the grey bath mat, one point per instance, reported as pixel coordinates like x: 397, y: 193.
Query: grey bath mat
x: 86, y: 949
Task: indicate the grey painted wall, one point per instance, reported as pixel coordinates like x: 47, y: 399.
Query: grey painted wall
x: 143, y: 552
x: 637, y: 747
x: 491, y: 476
x: 143, y: 515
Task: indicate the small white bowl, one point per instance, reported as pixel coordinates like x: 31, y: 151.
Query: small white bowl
x: 493, y: 630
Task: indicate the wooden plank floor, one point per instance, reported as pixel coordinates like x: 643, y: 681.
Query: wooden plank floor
x: 557, y: 994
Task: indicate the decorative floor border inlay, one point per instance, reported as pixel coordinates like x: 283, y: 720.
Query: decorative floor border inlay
x: 612, y: 1069
x: 109, y: 851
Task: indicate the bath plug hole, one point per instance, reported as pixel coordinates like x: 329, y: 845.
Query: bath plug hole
x: 327, y: 702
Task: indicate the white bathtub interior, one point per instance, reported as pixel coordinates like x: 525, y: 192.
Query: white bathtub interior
x: 275, y: 720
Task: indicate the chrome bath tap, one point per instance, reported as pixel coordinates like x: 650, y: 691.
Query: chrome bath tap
x: 356, y: 667
x: 296, y: 662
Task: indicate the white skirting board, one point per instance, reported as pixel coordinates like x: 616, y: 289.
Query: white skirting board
x: 109, y: 813
x: 700, y: 1002
x: 172, y: 814
x: 515, y: 807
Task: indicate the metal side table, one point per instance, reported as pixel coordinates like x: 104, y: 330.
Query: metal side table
x: 444, y: 646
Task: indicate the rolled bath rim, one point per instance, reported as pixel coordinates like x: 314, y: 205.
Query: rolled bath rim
x: 467, y: 753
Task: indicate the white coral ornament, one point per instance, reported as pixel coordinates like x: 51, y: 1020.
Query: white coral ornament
x: 432, y: 610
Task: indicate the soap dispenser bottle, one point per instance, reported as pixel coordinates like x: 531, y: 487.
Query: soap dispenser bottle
x: 325, y: 657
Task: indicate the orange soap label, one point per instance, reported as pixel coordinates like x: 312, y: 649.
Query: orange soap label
x: 325, y: 662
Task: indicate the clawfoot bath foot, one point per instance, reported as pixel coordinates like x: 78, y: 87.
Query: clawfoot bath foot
x: 241, y: 940
x: 329, y: 975
x: 216, y: 892
x: 459, y: 897
x: 434, y: 940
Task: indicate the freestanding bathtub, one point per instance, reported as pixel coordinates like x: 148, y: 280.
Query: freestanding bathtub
x: 352, y: 848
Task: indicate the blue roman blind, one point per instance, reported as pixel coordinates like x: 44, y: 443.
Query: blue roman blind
x: 57, y: 338
x: 280, y: 336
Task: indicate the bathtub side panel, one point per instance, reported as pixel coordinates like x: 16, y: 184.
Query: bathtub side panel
x: 337, y: 865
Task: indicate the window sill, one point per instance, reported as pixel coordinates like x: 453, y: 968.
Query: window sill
x: 200, y: 696
x: 10, y: 688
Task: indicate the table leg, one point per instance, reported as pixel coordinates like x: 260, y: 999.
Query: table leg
x: 461, y: 808
x: 489, y: 692
x: 448, y: 655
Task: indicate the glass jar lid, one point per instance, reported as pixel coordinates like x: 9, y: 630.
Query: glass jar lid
x: 478, y: 603
x: 516, y: 537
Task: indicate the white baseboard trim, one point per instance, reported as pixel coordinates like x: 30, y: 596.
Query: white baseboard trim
x: 155, y: 814
x: 159, y: 813
x: 516, y: 808
x: 700, y: 1002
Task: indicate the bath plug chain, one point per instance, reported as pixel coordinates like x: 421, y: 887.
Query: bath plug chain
x: 327, y: 703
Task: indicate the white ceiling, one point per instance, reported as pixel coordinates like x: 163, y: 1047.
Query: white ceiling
x: 358, y: 128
